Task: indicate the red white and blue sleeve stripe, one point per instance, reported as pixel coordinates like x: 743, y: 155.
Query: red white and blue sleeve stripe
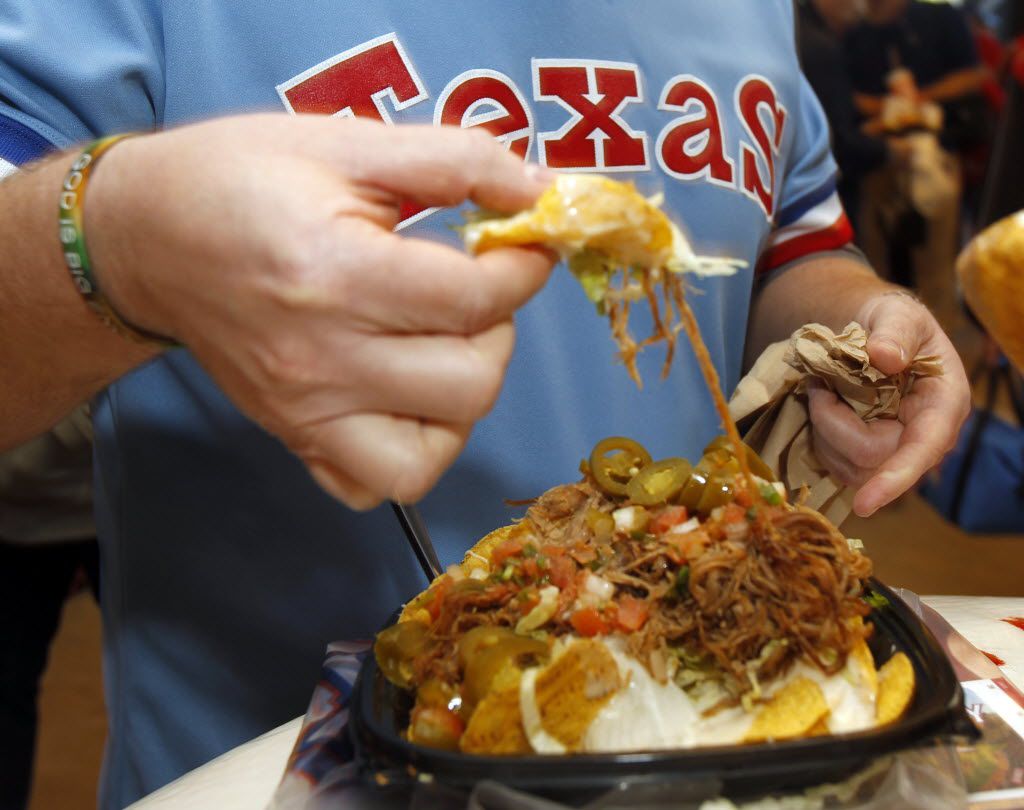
x: 812, y: 224
x: 19, y: 144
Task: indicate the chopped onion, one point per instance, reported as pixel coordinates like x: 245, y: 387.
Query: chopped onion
x: 686, y: 527
x: 600, y: 588
x: 628, y: 518
x: 455, y: 572
x: 541, y: 612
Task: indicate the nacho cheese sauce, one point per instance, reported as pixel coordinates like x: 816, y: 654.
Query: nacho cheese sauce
x: 850, y: 699
x: 648, y: 715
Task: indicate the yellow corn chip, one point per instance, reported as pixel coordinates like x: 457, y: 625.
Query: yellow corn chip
x: 496, y: 726
x: 791, y: 712
x: 865, y: 666
x: 819, y: 729
x: 572, y: 690
x: 895, y: 688
x: 479, y: 556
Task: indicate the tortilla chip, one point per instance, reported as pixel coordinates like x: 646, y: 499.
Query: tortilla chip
x: 572, y: 690
x: 496, y: 726
x: 861, y: 660
x: 895, y: 688
x: 479, y: 556
x: 819, y: 729
x: 791, y: 712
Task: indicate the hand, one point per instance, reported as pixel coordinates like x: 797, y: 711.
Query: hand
x: 886, y: 457
x: 265, y: 244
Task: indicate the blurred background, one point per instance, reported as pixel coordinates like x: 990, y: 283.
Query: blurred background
x: 926, y: 104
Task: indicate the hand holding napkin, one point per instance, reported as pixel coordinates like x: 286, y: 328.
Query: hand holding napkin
x: 770, y: 404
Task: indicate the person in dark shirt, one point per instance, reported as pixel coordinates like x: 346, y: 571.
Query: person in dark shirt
x: 934, y: 43
x: 918, y: 55
x: 821, y: 25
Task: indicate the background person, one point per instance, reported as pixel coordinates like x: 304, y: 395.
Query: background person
x: 921, y: 54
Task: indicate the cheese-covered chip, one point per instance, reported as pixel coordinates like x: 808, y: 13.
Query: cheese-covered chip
x: 569, y: 692
x: 496, y: 726
x: 895, y: 688
x: 791, y: 712
x: 864, y: 666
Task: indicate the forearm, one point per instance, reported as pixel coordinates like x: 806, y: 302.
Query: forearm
x: 955, y: 85
x: 868, y: 106
x: 55, y: 351
x: 829, y: 290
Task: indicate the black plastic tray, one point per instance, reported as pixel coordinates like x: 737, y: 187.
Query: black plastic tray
x: 380, y: 712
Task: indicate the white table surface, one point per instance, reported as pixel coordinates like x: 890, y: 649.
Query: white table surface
x: 246, y: 777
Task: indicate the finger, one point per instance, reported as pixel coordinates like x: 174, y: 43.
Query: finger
x: 926, y: 439
x: 418, y: 285
x: 837, y: 464
x: 392, y: 457
x: 433, y: 165
x: 342, y: 486
x: 864, y: 445
x: 897, y: 326
x: 439, y: 378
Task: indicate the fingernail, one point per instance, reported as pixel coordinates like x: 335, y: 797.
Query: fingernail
x: 896, y: 347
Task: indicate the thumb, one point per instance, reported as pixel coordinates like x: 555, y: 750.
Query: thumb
x: 896, y: 326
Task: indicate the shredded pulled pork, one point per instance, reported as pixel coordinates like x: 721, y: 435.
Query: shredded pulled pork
x: 763, y: 587
x: 791, y: 578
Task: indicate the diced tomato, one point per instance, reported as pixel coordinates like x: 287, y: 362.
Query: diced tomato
x: 669, y: 517
x: 551, y: 550
x: 632, y: 613
x: 530, y: 568
x: 434, y: 605
x: 561, y: 571
x: 511, y: 547
x: 744, y: 498
x: 733, y: 513
x: 687, y: 546
x: 584, y: 555
x: 436, y: 727
x: 588, y: 622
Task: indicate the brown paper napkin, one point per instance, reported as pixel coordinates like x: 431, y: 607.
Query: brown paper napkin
x: 770, y: 404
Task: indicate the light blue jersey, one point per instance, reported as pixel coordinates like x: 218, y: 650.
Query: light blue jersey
x: 225, y: 569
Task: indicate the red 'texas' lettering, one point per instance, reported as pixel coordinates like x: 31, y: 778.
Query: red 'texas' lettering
x: 693, y: 146
x: 491, y: 100
x: 595, y: 93
x: 754, y: 94
x: 356, y: 82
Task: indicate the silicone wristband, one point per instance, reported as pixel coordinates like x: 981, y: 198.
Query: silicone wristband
x: 71, y: 221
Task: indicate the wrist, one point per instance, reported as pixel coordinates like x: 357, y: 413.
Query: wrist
x: 113, y: 210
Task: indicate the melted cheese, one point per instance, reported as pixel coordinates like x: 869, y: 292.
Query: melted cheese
x: 647, y: 715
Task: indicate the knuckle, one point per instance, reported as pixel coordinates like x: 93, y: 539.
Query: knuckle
x: 477, y: 310
x: 481, y: 380
x: 483, y: 145
x: 284, y: 364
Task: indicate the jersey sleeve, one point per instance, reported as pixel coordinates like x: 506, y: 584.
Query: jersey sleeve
x: 19, y: 143
x: 810, y: 216
x: 70, y: 72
